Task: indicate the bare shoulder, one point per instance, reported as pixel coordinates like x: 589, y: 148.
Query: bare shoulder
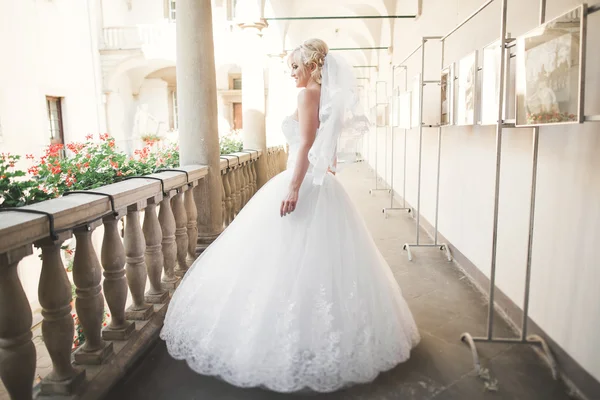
x: 309, y: 97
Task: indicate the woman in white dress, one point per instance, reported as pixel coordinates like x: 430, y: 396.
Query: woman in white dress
x: 294, y: 295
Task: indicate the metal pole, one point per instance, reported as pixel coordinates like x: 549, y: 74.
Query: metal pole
x: 405, y: 143
x: 490, y: 322
x: 423, y: 41
x: 534, y: 163
x: 392, y: 129
x: 340, y: 17
x: 457, y: 27
x: 439, y: 161
x: 437, y: 188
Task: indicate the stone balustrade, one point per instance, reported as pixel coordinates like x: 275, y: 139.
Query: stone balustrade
x: 276, y: 160
x: 239, y: 178
x: 146, y: 264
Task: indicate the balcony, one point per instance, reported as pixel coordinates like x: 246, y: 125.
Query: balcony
x: 142, y: 264
x: 154, y: 40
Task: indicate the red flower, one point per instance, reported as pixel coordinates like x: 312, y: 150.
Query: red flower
x: 55, y: 170
x: 119, y: 173
x: 89, y: 137
x: 29, y: 156
x: 87, y: 164
x: 88, y: 156
x: 33, y: 170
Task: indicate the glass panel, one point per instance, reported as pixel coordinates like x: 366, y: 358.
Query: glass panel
x: 467, y: 75
x: 549, y: 67
x: 237, y: 84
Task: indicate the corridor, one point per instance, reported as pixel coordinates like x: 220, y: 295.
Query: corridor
x: 444, y: 305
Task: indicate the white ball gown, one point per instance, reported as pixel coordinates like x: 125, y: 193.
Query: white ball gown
x: 295, y: 303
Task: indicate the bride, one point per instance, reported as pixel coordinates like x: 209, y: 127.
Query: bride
x: 294, y: 295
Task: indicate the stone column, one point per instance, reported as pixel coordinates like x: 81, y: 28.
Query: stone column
x: 253, y: 93
x: 197, y: 102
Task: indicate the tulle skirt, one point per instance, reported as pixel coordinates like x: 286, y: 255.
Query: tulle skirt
x: 294, y: 303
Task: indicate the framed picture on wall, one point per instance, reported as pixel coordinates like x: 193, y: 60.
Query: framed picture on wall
x: 404, y: 104
x: 490, y: 83
x: 381, y: 90
x: 395, y: 120
x: 373, y: 116
x: 416, y: 101
x: 447, y: 96
x: 466, y: 87
x: 549, y: 71
x: 382, y: 115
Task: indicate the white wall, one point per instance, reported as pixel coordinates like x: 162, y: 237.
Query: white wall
x: 48, y: 48
x: 565, y: 301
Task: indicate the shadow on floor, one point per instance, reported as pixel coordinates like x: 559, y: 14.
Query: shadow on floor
x: 444, y: 305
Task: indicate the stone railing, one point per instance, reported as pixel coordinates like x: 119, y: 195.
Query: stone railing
x: 141, y: 269
x: 276, y: 160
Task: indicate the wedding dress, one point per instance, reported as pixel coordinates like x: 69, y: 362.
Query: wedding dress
x: 301, y: 302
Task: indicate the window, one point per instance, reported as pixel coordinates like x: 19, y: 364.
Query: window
x: 55, y: 120
x: 172, y: 10
x: 231, y: 9
x: 175, y: 111
x: 237, y: 116
x: 237, y: 83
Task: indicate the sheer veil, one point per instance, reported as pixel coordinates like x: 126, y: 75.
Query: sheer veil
x: 342, y: 119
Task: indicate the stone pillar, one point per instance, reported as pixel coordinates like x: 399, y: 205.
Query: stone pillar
x: 253, y: 94
x: 197, y: 102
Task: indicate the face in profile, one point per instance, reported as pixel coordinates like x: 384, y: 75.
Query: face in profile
x: 299, y: 74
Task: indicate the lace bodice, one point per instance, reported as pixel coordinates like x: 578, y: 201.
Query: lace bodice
x: 291, y: 131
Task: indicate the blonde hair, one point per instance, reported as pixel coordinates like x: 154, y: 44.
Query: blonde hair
x: 310, y: 53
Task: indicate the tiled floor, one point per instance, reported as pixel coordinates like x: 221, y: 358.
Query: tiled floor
x: 441, y: 368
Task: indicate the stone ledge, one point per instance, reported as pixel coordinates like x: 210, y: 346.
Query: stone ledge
x: 18, y: 228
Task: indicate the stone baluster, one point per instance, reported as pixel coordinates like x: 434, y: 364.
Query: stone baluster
x: 17, y: 351
x: 223, y: 198
x: 135, y: 247
x: 112, y: 257
x: 254, y: 177
x: 54, y: 293
x: 169, y: 248
x: 243, y: 188
x: 231, y: 180
x: 238, y: 183
x: 89, y: 302
x: 235, y: 190
x: 228, y: 198
x: 246, y: 179
x: 153, y: 255
x: 192, y: 222
x: 181, y: 237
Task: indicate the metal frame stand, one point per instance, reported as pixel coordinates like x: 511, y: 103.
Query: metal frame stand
x: 377, y: 104
x: 391, y: 207
x: 524, y: 338
x: 422, y: 83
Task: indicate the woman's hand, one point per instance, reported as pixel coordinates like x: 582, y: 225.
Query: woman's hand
x: 288, y: 205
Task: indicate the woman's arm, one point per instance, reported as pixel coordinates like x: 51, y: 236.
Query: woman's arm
x: 308, y: 116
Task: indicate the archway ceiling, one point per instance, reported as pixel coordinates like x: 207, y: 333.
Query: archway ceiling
x: 337, y: 33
